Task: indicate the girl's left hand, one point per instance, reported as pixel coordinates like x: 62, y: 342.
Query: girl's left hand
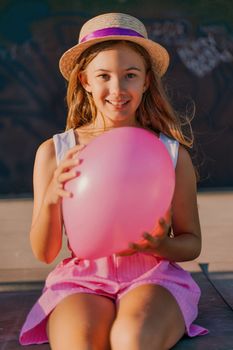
x: 151, y: 242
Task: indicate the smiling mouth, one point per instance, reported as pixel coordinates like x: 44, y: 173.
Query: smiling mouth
x: 118, y: 104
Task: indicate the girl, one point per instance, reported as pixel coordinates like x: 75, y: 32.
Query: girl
x: 140, y: 298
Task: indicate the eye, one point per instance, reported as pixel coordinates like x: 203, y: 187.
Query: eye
x: 104, y: 77
x: 131, y: 75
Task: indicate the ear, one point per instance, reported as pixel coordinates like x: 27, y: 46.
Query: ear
x: 84, y: 81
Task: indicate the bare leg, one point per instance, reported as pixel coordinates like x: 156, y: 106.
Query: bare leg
x: 81, y: 322
x: 148, y: 318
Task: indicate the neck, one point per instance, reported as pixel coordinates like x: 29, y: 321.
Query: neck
x: 101, y: 124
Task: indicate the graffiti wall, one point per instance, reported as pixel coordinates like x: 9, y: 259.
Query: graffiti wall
x: 33, y: 35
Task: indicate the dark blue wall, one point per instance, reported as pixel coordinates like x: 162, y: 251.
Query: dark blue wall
x: 33, y: 35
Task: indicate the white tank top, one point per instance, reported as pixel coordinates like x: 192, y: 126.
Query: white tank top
x: 66, y: 140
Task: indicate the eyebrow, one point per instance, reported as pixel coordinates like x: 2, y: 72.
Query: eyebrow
x: 128, y: 69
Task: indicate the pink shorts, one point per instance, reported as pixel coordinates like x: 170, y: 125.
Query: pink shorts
x: 111, y: 277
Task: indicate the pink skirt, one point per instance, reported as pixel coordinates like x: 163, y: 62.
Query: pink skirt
x: 112, y: 277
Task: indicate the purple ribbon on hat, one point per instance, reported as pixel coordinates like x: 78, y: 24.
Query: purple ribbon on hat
x: 109, y: 32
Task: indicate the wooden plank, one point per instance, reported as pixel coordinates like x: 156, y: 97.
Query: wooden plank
x: 223, y: 282
x: 215, y: 315
x: 14, y: 308
x: 221, y: 277
x: 14, y: 345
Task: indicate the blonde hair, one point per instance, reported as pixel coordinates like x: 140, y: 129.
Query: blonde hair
x: 154, y: 112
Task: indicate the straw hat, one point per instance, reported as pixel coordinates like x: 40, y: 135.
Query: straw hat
x: 114, y: 26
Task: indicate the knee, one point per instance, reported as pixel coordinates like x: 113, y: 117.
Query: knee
x: 123, y: 336
x: 133, y: 336
x: 73, y: 340
x: 81, y: 337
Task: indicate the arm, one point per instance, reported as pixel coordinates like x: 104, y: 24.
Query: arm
x: 186, y: 244
x: 48, y: 182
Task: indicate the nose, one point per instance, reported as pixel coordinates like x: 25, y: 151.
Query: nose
x: 117, y: 86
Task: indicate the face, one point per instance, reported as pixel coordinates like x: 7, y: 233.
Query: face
x: 117, y: 79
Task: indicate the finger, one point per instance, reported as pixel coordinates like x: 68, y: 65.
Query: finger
x: 63, y: 193
x: 64, y: 177
x: 68, y: 164
x: 72, y: 151
x: 163, y: 228
x: 126, y: 253
x: 139, y: 247
x: 151, y: 239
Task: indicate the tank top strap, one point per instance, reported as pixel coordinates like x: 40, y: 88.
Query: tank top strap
x: 172, y: 147
x: 62, y: 143
x: 66, y: 140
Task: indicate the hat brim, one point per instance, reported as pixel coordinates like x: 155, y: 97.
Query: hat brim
x: 159, y: 55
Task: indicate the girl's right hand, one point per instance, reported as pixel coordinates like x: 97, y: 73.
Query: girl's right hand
x: 64, y: 172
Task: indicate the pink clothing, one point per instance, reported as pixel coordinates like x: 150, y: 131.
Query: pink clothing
x: 111, y: 276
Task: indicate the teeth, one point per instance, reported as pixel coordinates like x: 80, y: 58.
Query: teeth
x: 118, y: 103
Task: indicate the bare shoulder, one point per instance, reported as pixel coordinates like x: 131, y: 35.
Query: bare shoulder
x: 185, y: 183
x: 184, y: 167
x: 45, y: 160
x: 183, y: 156
x: 185, y: 211
x: 46, y: 152
x: 46, y: 149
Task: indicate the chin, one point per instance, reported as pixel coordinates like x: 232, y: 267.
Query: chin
x: 121, y: 118
x: 119, y: 122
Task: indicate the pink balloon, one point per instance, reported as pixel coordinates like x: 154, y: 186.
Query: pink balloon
x: 125, y: 185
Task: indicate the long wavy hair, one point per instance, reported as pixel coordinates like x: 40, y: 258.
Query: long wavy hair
x: 155, y: 111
